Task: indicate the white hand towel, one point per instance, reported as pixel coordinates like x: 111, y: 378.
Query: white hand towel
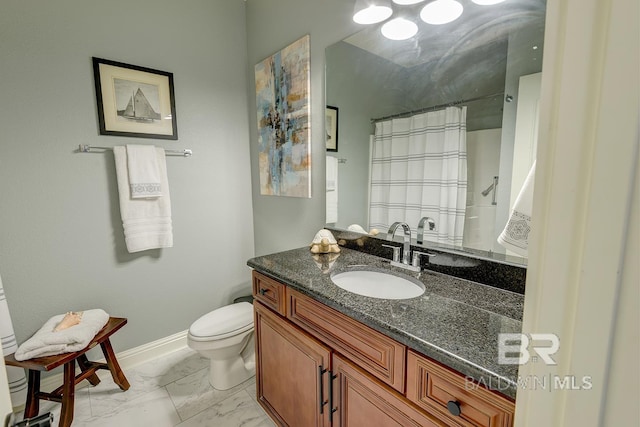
x: 332, y: 190
x: 15, y: 376
x: 144, y: 172
x: 46, y: 342
x: 146, y: 222
x: 515, y: 235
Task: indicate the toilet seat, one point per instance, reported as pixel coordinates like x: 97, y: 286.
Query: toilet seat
x: 223, y: 322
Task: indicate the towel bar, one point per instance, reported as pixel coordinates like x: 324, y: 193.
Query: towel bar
x: 84, y: 148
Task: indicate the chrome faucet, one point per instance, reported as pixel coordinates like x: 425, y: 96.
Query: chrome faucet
x: 414, y: 265
x: 406, y: 247
x: 432, y: 226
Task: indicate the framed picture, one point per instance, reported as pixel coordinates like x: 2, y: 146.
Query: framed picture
x: 134, y: 101
x: 331, y: 126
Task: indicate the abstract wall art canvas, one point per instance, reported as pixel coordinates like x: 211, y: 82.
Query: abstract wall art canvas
x: 284, y: 132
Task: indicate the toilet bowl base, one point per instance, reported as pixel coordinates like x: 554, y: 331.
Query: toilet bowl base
x: 226, y: 374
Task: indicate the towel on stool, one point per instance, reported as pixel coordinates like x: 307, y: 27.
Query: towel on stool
x: 46, y: 342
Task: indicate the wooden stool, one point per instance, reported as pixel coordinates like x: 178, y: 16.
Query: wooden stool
x: 65, y: 393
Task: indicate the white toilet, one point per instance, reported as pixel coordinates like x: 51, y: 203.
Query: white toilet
x: 225, y: 337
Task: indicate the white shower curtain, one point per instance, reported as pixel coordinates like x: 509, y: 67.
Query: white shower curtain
x: 419, y: 168
x: 15, y: 376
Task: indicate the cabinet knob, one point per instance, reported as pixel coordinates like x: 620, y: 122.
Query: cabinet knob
x: 263, y: 291
x: 454, y: 408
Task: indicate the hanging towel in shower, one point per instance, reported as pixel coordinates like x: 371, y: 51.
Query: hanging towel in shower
x: 144, y: 172
x: 332, y: 190
x: 146, y: 221
x: 515, y: 235
x: 46, y: 342
x: 15, y: 376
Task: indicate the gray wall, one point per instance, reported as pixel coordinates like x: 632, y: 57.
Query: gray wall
x: 282, y: 223
x: 61, y: 238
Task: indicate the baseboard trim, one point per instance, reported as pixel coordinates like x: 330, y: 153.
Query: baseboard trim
x: 128, y: 358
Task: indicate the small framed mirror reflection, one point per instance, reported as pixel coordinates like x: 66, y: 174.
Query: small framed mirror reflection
x: 331, y: 127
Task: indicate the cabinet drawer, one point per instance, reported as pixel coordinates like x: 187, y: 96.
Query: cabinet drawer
x: 269, y: 292
x: 378, y: 354
x: 433, y: 387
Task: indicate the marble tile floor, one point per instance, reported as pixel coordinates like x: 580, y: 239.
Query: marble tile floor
x: 171, y: 391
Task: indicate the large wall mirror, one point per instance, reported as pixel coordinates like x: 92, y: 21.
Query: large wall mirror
x: 488, y: 61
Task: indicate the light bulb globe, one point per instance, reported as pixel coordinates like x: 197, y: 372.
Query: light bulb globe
x: 487, y: 2
x: 441, y: 12
x: 372, y: 15
x: 399, y: 29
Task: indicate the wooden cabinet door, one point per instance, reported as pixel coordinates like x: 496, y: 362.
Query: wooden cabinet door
x: 292, y: 372
x: 362, y: 401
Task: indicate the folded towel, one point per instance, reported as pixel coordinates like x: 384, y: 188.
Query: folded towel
x: 15, y: 376
x: 332, y: 173
x: 515, y: 235
x: 332, y: 190
x: 144, y: 172
x: 146, y: 222
x: 46, y: 342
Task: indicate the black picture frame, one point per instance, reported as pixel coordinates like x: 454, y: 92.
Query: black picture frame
x: 134, y: 101
x: 331, y: 128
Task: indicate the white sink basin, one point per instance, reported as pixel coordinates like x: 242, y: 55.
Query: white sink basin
x: 378, y: 284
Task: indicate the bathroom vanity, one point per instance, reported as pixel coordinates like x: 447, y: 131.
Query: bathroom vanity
x: 327, y: 356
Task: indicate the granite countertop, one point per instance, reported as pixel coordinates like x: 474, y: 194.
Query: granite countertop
x: 455, y: 321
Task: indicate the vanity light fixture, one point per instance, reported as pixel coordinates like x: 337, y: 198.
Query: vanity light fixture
x: 399, y: 29
x: 436, y: 12
x: 372, y: 11
x: 441, y: 12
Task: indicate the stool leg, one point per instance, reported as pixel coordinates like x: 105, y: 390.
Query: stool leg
x: 112, y: 362
x: 68, y: 394
x: 83, y: 362
x: 32, y: 406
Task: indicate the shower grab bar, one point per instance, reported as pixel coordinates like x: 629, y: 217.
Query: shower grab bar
x: 494, y: 187
x: 87, y: 149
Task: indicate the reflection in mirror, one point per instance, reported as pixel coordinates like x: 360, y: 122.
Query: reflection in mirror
x: 469, y: 90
